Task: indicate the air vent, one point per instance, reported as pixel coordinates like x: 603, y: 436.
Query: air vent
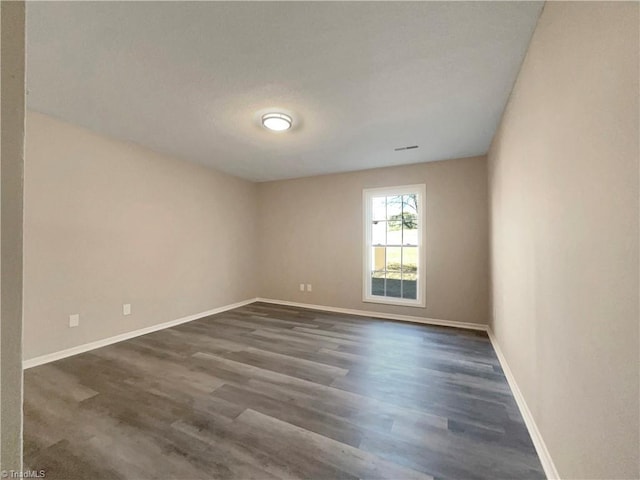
x: 405, y: 148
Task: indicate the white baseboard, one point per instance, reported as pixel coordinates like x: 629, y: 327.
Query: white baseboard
x: 389, y: 316
x: 51, y: 357
x: 541, y: 448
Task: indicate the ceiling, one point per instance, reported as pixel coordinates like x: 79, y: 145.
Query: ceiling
x: 359, y: 78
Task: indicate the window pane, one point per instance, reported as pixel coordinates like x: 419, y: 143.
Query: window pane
x: 378, y: 259
x: 409, y: 289
x: 409, y: 272
x: 410, y: 260
x: 378, y: 233
x: 394, y: 272
x: 394, y: 233
x: 377, y: 283
x: 394, y: 262
x: 393, y: 287
x: 409, y: 220
x: 410, y: 204
x: 410, y: 236
x: 394, y: 207
x: 379, y: 208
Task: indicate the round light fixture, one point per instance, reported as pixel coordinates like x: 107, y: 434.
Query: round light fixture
x: 277, y: 122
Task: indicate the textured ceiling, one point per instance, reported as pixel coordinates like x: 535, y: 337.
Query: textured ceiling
x: 359, y: 78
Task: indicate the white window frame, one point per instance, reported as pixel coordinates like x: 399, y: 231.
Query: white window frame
x: 367, y: 194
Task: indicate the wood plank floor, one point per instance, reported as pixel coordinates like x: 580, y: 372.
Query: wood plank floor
x: 267, y: 391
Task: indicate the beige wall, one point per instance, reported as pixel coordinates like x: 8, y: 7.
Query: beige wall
x: 564, y: 203
x: 12, y: 59
x: 310, y: 231
x: 108, y: 223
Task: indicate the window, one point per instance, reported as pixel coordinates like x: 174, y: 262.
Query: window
x: 394, y: 253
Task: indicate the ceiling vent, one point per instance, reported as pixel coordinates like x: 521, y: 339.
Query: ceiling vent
x: 399, y: 149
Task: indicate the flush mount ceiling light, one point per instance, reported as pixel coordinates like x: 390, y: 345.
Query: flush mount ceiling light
x: 277, y: 122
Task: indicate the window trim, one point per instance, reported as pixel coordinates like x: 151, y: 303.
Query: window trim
x: 367, y: 195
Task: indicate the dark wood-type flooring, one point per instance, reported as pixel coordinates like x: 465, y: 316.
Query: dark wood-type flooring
x: 268, y: 391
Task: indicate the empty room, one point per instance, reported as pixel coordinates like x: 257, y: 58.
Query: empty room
x: 319, y: 240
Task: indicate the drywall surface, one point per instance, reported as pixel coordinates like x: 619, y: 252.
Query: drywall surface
x: 12, y: 112
x: 12, y: 59
x: 109, y: 223
x: 311, y: 231
x: 564, y: 236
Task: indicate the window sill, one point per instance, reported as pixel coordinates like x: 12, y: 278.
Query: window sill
x: 398, y: 302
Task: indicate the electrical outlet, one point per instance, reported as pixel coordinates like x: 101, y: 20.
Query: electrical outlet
x: 74, y: 320
x: 302, y: 287
x: 126, y: 309
x: 308, y: 287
